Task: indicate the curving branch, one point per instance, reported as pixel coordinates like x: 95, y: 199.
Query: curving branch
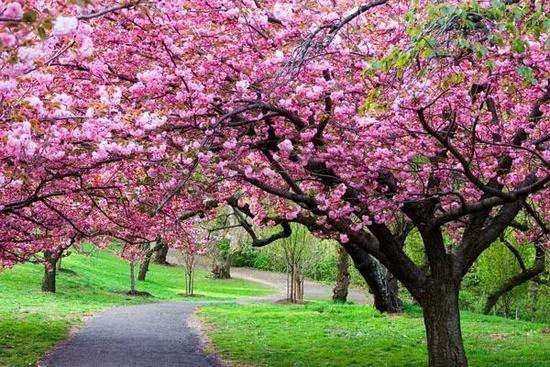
x: 260, y: 242
x: 524, y: 276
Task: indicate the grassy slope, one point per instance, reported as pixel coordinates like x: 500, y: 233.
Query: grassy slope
x: 31, y: 322
x: 350, y: 335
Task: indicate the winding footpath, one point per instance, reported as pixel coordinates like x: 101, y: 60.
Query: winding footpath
x: 160, y: 334
x: 135, y: 336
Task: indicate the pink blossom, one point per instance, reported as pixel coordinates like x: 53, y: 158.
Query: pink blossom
x: 64, y: 25
x: 286, y: 146
x: 13, y: 11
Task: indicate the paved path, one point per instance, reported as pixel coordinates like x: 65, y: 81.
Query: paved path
x: 159, y: 334
x: 312, y: 289
x: 153, y: 335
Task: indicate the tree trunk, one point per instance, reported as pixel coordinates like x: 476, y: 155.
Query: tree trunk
x: 340, y: 291
x: 442, y: 321
x: 160, y: 257
x: 221, y: 268
x: 188, y: 283
x: 132, y: 278
x: 144, y: 268
x: 58, y: 265
x: 50, y: 270
x: 386, y: 298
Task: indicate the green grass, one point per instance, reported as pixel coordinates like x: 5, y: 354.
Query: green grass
x: 324, y: 334
x: 32, y: 322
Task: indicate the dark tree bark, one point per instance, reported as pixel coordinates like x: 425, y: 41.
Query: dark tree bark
x: 160, y: 257
x: 516, y: 280
x: 386, y: 298
x: 58, y: 265
x: 221, y: 270
x: 50, y: 271
x: 442, y: 321
x: 340, y: 291
x: 144, y: 266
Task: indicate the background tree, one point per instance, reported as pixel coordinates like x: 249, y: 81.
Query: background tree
x: 161, y: 253
x: 150, y: 249
x: 226, y: 238
x: 340, y: 291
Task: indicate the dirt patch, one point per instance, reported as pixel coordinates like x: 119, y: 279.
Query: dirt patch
x: 499, y: 336
x: 138, y: 294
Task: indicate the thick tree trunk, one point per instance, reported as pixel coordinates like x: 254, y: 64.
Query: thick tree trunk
x: 144, y: 265
x: 50, y: 270
x: 160, y: 257
x: 144, y: 268
x: 340, y: 291
x: 442, y: 321
x: 221, y: 268
x: 386, y: 298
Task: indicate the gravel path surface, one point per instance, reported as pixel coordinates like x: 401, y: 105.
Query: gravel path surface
x: 160, y: 334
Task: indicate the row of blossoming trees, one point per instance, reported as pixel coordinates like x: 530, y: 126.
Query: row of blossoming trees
x: 130, y: 119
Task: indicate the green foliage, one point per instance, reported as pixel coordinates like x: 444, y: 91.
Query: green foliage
x: 223, y: 247
x: 492, y: 269
x: 322, y: 334
x: 32, y: 321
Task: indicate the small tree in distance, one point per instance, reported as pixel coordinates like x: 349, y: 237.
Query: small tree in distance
x: 300, y: 253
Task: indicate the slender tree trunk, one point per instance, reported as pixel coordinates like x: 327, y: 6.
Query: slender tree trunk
x: 533, y: 296
x: 340, y: 291
x: 188, y: 283
x: 58, y: 265
x: 160, y: 257
x: 300, y: 297
x: 132, y: 278
x: 50, y: 270
x: 442, y: 321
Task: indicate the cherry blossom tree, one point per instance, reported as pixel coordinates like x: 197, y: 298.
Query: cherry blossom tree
x: 342, y: 116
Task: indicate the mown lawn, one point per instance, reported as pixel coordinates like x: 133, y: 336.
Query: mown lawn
x: 324, y: 334
x: 32, y: 322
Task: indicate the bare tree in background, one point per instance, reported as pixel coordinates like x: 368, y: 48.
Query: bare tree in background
x: 189, y: 260
x: 300, y: 253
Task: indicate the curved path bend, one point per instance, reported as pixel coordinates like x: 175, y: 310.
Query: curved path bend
x: 160, y: 334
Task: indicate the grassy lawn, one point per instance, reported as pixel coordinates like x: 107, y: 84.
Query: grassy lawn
x: 323, y: 334
x: 32, y: 322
